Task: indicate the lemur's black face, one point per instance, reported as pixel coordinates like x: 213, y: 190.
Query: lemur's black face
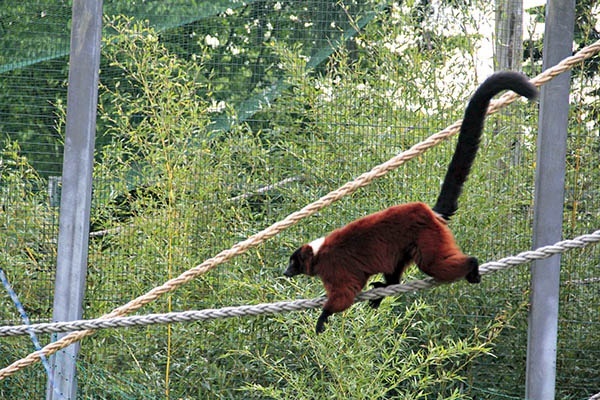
x: 296, y: 264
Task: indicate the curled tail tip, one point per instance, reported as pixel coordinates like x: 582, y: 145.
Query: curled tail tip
x: 511, y: 80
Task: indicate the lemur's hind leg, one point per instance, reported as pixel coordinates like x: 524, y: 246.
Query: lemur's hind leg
x: 390, y: 279
x: 453, y: 268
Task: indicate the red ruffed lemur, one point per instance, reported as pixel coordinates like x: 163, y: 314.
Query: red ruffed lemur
x: 388, y: 241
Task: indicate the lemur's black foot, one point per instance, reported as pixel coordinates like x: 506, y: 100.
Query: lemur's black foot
x: 375, y: 303
x: 473, y: 275
x: 322, y: 321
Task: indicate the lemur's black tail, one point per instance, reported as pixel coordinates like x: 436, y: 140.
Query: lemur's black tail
x: 470, y: 135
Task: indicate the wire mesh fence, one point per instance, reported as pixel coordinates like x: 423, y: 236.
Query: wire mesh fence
x: 218, y: 119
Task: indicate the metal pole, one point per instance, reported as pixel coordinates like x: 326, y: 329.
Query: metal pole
x: 549, y: 197
x: 71, y: 269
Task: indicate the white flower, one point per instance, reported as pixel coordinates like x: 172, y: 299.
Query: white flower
x: 360, y: 43
x: 269, y: 31
x: 590, y: 125
x: 277, y: 6
x: 216, y: 107
x: 212, y: 41
x: 399, y: 45
x: 326, y: 94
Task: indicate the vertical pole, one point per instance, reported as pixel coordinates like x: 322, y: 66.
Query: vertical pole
x: 509, y: 35
x: 71, y: 268
x: 549, y: 198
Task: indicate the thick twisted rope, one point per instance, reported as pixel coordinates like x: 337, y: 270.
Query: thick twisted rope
x: 293, y: 218
x: 286, y: 306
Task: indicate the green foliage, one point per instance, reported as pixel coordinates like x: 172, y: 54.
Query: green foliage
x: 26, y: 223
x: 27, y: 226
x: 171, y: 191
x: 404, y: 354
x: 158, y: 120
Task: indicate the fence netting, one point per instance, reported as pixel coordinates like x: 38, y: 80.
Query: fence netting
x: 216, y: 119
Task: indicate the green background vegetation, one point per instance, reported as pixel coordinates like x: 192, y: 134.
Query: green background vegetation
x: 190, y: 129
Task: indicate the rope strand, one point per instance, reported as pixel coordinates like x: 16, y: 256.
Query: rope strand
x: 287, y: 306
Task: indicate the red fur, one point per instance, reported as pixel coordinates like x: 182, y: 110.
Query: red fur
x: 385, y: 242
